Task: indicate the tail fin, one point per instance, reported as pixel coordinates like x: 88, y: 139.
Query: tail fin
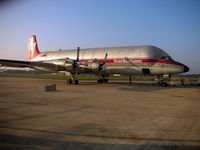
x: 32, y: 50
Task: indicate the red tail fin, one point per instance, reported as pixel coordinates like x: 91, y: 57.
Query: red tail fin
x: 32, y: 49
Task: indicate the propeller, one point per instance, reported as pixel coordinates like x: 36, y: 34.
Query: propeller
x: 74, y: 62
x: 102, y: 65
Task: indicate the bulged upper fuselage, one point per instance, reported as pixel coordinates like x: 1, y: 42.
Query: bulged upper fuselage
x: 121, y: 60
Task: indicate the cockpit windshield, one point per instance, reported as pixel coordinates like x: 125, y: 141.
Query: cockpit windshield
x: 168, y: 58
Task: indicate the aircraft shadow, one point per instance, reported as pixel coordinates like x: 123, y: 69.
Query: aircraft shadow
x: 25, y: 142
x: 125, y: 86
x: 138, y: 86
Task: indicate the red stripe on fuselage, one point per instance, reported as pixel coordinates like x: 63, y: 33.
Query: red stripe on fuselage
x: 137, y: 61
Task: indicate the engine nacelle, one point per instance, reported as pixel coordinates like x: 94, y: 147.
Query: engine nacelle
x: 70, y: 65
x: 92, y: 66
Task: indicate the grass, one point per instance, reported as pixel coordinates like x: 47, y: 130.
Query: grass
x: 62, y: 77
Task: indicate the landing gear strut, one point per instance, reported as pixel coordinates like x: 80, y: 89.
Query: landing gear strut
x: 130, y: 79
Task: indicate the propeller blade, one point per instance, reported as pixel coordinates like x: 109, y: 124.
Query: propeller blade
x: 105, y: 59
x: 78, y: 50
x: 102, y: 65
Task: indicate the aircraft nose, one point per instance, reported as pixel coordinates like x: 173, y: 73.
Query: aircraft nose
x: 186, y: 69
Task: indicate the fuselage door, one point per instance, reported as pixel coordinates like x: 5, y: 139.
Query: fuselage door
x: 146, y: 71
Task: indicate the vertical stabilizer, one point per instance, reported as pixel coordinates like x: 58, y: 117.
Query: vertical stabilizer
x: 32, y: 50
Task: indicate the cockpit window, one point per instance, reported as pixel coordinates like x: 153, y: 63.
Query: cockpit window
x: 163, y: 57
x: 167, y: 58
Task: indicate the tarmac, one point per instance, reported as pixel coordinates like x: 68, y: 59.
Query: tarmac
x: 98, y: 116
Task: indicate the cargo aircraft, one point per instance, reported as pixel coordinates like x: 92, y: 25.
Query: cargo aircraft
x: 128, y: 60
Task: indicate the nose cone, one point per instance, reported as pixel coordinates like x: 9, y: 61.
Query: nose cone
x: 186, y: 69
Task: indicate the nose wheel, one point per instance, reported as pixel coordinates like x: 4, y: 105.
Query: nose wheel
x: 163, y: 81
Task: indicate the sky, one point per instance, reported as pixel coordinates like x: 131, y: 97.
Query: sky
x: 172, y: 25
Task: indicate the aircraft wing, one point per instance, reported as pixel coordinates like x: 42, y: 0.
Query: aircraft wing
x: 35, y: 65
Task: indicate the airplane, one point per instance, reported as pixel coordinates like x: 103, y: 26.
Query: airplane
x: 128, y: 60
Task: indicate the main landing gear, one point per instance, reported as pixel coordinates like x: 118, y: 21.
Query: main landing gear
x: 70, y: 81
x: 102, y: 79
x: 130, y: 79
x: 73, y: 80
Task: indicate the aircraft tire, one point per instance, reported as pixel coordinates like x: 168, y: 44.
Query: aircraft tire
x: 100, y: 81
x: 75, y: 81
x: 163, y: 84
x: 69, y: 81
x: 105, y: 80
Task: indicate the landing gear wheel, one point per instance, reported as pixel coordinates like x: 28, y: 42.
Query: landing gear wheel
x: 163, y: 84
x: 69, y: 81
x: 100, y: 81
x: 75, y: 81
x: 105, y: 80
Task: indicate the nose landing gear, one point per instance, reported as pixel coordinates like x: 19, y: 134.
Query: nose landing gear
x: 163, y: 80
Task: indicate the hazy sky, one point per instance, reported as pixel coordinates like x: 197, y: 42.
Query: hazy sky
x: 172, y: 25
